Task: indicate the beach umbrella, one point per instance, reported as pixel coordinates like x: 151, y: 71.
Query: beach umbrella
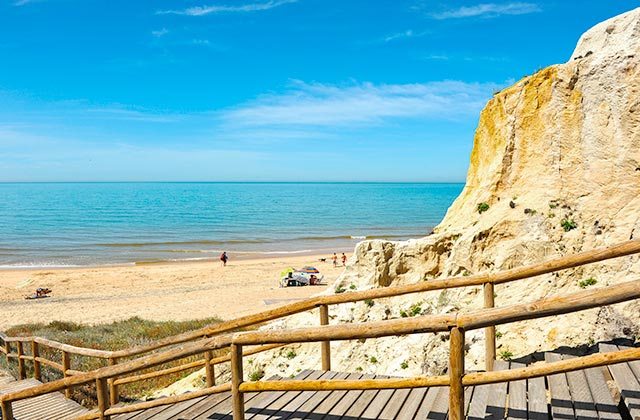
x: 309, y: 270
x: 286, y: 271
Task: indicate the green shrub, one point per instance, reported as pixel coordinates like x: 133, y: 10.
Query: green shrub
x: 587, y: 282
x: 498, y: 334
x: 506, y: 355
x: 340, y: 289
x: 369, y: 302
x: 416, y: 309
x: 291, y: 354
x: 256, y: 375
x: 404, y: 314
x: 568, y: 224
x: 404, y: 365
x: 482, y: 207
x: 373, y: 359
x: 352, y: 286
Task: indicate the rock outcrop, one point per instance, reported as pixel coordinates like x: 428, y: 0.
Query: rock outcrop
x: 555, y: 169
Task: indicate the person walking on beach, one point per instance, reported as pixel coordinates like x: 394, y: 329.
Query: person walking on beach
x: 344, y: 260
x: 335, y: 260
x: 224, y: 258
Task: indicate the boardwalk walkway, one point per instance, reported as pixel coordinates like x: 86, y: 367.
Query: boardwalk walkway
x: 575, y: 395
x: 52, y: 406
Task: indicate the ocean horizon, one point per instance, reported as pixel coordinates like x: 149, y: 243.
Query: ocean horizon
x: 75, y: 224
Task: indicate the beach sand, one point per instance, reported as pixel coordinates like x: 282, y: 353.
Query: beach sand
x: 172, y: 291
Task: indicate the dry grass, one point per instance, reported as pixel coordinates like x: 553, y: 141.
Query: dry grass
x: 115, y: 336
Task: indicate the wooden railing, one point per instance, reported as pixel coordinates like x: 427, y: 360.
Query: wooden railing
x: 204, y: 341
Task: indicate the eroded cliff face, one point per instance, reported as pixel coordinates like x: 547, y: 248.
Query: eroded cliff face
x: 556, y: 157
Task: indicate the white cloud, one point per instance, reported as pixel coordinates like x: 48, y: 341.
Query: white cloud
x: 488, y: 10
x: 409, y: 33
x: 326, y: 105
x: 159, y: 33
x: 206, y: 10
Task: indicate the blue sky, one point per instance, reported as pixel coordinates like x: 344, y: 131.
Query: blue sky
x: 285, y: 90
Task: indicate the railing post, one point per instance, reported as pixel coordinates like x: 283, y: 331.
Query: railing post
x: 325, y: 346
x: 7, y: 411
x: 113, y: 388
x: 102, y: 391
x: 456, y: 371
x: 35, y: 352
x: 236, y: 380
x: 7, y: 348
x: 489, y: 332
x: 209, y: 369
x: 21, y: 370
x: 66, y: 365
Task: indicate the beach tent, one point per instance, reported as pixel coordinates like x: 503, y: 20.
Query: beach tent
x: 286, y: 271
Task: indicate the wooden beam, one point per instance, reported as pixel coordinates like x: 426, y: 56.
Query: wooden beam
x: 210, y: 373
x: 236, y: 379
x: 7, y: 411
x: 113, y: 386
x: 456, y: 372
x: 35, y: 352
x: 490, y: 331
x: 66, y: 365
x: 102, y: 391
x: 555, y: 305
x: 21, y: 369
x: 344, y: 384
x: 325, y: 346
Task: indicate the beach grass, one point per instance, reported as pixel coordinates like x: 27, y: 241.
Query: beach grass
x: 114, y: 336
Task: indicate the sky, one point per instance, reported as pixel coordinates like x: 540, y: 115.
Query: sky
x: 264, y: 90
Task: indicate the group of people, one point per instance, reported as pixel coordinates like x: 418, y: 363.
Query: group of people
x: 335, y: 259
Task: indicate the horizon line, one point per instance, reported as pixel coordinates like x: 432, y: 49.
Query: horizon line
x: 232, y: 182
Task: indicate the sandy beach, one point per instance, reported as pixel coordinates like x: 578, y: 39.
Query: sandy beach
x: 177, y: 291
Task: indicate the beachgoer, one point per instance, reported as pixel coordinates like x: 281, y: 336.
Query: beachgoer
x: 344, y: 259
x: 335, y: 259
x: 224, y: 259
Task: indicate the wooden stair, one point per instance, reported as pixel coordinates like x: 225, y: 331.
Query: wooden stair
x: 53, y: 406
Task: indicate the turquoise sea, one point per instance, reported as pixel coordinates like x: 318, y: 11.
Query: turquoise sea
x: 77, y: 224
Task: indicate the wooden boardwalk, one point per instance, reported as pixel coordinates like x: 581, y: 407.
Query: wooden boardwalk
x: 53, y: 406
x: 575, y: 395
x: 610, y: 392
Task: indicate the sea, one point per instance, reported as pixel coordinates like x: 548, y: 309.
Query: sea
x: 93, y: 224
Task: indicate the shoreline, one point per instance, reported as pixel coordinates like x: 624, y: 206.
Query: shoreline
x: 160, y: 291
x: 234, y: 256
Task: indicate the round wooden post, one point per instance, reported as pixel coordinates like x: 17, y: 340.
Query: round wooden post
x: 7, y: 348
x: 66, y: 365
x: 102, y: 391
x: 456, y: 371
x: 325, y: 346
x: 489, y: 332
x: 35, y: 352
x: 7, y: 411
x: 21, y: 370
x: 209, y: 369
x: 113, y: 387
x: 236, y: 380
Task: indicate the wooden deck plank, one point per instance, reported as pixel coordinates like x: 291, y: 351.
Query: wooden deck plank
x: 377, y: 405
x: 362, y: 402
x: 332, y: 399
x: 478, y: 402
x: 175, y: 409
x: 302, y: 397
x: 583, y: 404
x: 440, y: 408
x: 607, y: 409
x: 626, y: 381
x: 412, y: 404
x: 347, y: 401
x: 201, y: 406
x: 497, y: 400
x: 307, y: 407
x: 288, y: 403
x: 561, y: 403
x: 394, y: 405
x: 517, y: 391
x: 537, y: 404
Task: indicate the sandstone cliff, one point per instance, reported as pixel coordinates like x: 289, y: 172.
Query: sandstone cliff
x: 556, y: 158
